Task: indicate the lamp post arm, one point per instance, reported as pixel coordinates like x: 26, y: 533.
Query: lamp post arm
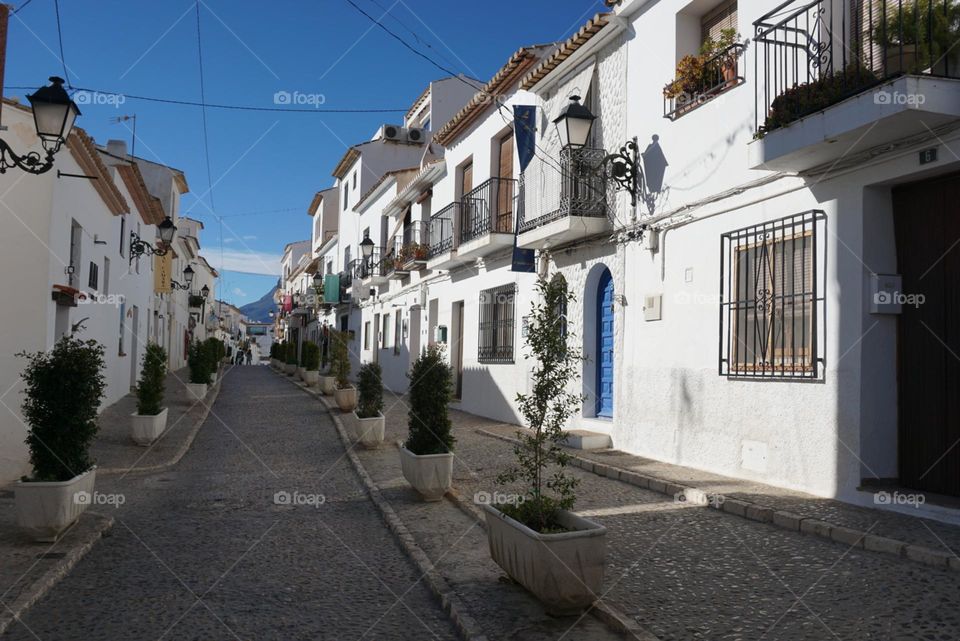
x: 29, y: 162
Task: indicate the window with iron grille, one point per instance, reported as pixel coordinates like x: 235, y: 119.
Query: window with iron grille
x: 396, y: 334
x: 94, y: 277
x: 497, y: 308
x: 771, y: 299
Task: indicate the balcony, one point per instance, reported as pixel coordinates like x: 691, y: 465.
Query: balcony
x: 372, y: 270
x: 560, y: 202
x: 486, y: 218
x: 442, y: 250
x: 707, y: 79
x: 835, y: 77
x: 408, y: 251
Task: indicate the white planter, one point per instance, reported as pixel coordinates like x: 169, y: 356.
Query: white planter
x: 346, y: 398
x: 564, y: 571
x: 430, y: 474
x: 311, y: 376
x: 146, y: 428
x: 197, y: 390
x: 369, y: 431
x: 46, y: 509
x: 213, y: 379
x: 328, y: 384
x: 290, y: 368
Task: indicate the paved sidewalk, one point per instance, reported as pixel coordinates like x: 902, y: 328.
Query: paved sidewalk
x: 115, y: 452
x: 685, y: 572
x: 932, y: 534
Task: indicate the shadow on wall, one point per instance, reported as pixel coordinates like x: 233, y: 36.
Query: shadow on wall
x: 482, y: 396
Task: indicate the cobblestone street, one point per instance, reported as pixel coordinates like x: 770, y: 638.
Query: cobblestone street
x: 204, y: 552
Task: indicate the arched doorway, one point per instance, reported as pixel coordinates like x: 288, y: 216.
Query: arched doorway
x: 604, y: 346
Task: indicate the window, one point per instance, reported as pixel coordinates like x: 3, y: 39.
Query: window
x: 426, y: 124
x: 769, y: 299
x: 497, y: 324
x: 396, y: 333
x: 73, y: 269
x: 346, y: 194
x: 123, y: 235
x: 106, y: 276
x: 123, y: 315
x: 385, y: 332
x: 366, y: 335
x: 354, y: 180
x: 94, y: 275
x: 714, y: 22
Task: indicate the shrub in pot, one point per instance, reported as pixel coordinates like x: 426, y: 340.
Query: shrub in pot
x: 150, y: 419
x: 214, y: 351
x: 368, y: 417
x: 919, y: 37
x: 310, y: 358
x: 801, y: 100
x: 63, y: 389
x: 290, y: 359
x: 537, y: 540
x: 199, y: 366
x: 427, y: 455
x: 328, y: 382
x: 344, y: 393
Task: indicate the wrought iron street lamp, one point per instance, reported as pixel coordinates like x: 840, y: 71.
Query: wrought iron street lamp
x: 622, y: 168
x: 53, y: 116
x: 187, y: 277
x: 366, y: 247
x: 205, y: 291
x: 139, y: 247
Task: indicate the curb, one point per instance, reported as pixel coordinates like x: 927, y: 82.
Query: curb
x: 51, y: 577
x: 749, y: 510
x: 207, y: 402
x: 464, y: 623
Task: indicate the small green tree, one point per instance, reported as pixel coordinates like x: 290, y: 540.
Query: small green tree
x: 370, y: 387
x: 63, y: 391
x: 340, y: 364
x: 291, y: 353
x: 198, y: 363
x: 431, y: 387
x: 546, y: 409
x: 310, y: 356
x: 150, y: 388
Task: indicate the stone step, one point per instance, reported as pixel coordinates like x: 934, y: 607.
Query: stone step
x: 587, y: 440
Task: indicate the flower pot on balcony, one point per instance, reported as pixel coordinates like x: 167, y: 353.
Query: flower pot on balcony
x: 563, y: 570
x: 369, y: 431
x: 311, y: 377
x: 146, y: 428
x: 431, y: 475
x: 346, y: 398
x: 196, y: 390
x: 46, y: 509
x: 729, y: 70
x: 328, y: 384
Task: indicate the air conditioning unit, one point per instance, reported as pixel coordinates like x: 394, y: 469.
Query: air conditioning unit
x: 394, y: 132
x: 416, y: 135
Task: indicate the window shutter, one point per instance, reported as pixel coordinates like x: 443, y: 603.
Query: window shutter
x: 715, y: 21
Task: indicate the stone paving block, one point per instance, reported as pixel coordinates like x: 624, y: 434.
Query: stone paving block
x: 876, y: 543
x: 733, y: 506
x: 927, y: 556
x: 657, y: 486
x: 759, y: 513
x: 787, y: 520
x: 815, y: 527
x: 847, y: 536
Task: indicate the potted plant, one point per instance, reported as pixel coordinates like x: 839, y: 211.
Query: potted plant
x: 537, y: 540
x: 368, y: 417
x: 311, y: 362
x: 427, y: 455
x: 801, y: 100
x: 291, y: 359
x: 721, y: 53
x: 919, y: 37
x: 213, y: 350
x: 199, y: 370
x: 63, y: 389
x: 344, y: 393
x: 150, y: 419
x: 328, y: 382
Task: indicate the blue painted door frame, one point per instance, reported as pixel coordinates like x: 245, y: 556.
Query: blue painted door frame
x: 605, y: 329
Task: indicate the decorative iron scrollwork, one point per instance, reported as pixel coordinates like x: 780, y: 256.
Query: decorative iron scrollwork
x: 29, y: 162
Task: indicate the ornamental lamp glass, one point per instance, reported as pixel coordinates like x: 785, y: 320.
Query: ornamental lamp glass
x: 53, y: 113
x: 188, y: 274
x: 205, y: 291
x: 167, y: 229
x: 574, y: 124
x: 317, y: 280
x: 366, y: 246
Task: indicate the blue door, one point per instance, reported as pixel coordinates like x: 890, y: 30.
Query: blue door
x: 605, y: 346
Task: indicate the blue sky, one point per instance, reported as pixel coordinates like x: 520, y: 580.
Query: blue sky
x: 264, y: 167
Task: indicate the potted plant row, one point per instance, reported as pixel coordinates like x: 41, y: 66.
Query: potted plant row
x: 368, y: 416
x: 199, y: 366
x: 328, y: 382
x: 344, y: 393
x: 426, y: 457
x: 150, y: 419
x: 63, y: 389
x: 310, y: 358
x: 537, y: 540
x: 290, y: 356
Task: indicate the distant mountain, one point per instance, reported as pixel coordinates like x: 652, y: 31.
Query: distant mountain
x: 258, y: 311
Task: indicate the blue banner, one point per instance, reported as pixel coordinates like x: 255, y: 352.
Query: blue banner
x: 525, y: 134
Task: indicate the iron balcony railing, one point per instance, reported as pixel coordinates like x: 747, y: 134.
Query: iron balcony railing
x: 810, y: 55
x: 719, y: 73
x: 346, y: 276
x: 487, y: 208
x: 410, y: 246
x: 441, y: 229
x: 551, y: 190
x: 370, y: 266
